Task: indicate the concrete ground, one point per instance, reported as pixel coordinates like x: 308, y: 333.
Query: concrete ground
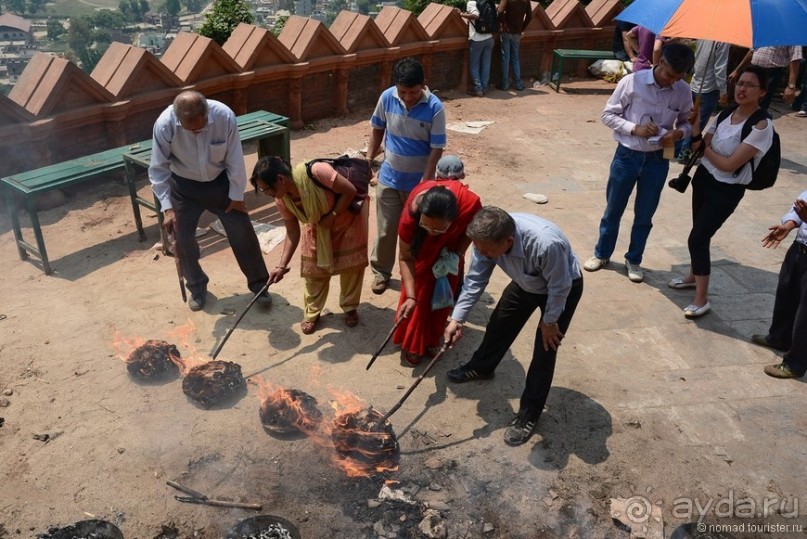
x: 646, y: 404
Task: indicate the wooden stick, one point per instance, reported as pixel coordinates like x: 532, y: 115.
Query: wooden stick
x: 251, y: 303
x: 394, y: 409
x: 218, y: 503
x: 383, y: 344
x: 186, y: 490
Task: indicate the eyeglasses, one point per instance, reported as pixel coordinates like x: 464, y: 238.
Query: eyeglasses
x: 743, y: 84
x: 434, y: 230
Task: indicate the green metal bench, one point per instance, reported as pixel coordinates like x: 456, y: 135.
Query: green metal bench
x: 272, y: 138
x: 269, y: 129
x: 559, y: 55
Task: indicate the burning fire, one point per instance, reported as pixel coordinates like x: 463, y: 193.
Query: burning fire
x: 287, y: 410
x: 125, y: 346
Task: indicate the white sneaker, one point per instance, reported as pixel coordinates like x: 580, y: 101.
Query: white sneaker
x: 635, y: 272
x: 594, y: 263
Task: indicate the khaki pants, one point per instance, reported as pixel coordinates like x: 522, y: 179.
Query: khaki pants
x: 389, y: 204
x: 316, y: 292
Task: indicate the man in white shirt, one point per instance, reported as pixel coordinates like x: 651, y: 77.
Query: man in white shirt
x: 197, y: 164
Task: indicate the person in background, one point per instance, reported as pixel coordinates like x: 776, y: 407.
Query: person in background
x: 481, y: 49
x: 413, y: 122
x: 780, y: 63
x: 333, y: 239
x: 432, y: 245
x: 709, y: 84
x: 719, y: 182
x: 646, y: 46
x: 545, y: 274
x: 649, y: 109
x: 197, y: 164
x: 622, y: 46
x: 788, y: 331
x: 515, y: 16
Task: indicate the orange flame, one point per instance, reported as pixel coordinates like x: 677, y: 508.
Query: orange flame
x: 288, y: 404
x: 124, y: 346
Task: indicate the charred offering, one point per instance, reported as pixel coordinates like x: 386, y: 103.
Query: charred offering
x: 86, y: 529
x: 212, y: 382
x: 288, y: 411
x: 153, y: 359
x: 358, y: 437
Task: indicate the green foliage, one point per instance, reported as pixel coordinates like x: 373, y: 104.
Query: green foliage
x: 194, y: 6
x: 363, y: 6
x: 172, y: 7
x: 279, y: 25
x: 224, y: 17
x: 55, y: 28
x: 17, y: 6
x: 108, y: 19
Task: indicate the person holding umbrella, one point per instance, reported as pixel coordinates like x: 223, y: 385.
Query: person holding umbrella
x: 719, y: 182
x: 334, y: 240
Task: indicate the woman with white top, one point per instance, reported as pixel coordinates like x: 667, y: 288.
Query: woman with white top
x: 720, y: 181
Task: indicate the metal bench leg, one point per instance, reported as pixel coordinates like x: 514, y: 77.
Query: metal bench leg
x: 40, y: 240
x: 131, y: 176
x: 15, y: 224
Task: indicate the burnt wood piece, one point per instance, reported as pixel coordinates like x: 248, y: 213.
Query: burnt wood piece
x: 290, y: 410
x: 357, y: 436
x: 153, y: 360
x: 212, y: 382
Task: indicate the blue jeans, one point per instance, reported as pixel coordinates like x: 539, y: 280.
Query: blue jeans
x: 510, y: 43
x: 647, y: 171
x: 481, y: 51
x: 709, y: 102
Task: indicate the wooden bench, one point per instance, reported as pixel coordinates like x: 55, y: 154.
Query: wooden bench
x: 269, y: 129
x: 559, y: 55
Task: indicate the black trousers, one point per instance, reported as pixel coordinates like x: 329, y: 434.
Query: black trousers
x: 789, y: 324
x: 712, y: 203
x: 190, y: 199
x: 511, y: 313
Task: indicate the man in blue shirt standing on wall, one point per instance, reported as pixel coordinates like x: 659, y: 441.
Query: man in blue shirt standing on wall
x: 414, y: 122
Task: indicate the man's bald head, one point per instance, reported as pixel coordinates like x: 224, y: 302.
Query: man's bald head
x: 190, y: 108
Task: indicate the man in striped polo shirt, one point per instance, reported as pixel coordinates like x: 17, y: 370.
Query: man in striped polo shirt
x: 414, y: 122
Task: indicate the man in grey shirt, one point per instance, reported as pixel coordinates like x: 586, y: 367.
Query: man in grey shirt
x: 197, y: 164
x: 545, y: 274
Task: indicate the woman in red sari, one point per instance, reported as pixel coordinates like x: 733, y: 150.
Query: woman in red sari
x: 431, y: 230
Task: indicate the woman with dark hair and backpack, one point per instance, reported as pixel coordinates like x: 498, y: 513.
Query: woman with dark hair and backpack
x: 432, y: 245
x: 721, y: 179
x: 334, y: 240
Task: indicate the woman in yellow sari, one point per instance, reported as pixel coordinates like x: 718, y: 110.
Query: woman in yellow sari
x: 333, y: 240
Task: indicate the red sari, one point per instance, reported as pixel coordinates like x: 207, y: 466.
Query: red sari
x: 424, y: 327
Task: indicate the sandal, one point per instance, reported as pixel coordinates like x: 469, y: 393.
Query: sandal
x: 680, y: 284
x: 352, y: 318
x: 309, y: 326
x: 410, y: 358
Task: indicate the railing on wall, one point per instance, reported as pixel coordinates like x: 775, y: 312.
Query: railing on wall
x: 56, y: 111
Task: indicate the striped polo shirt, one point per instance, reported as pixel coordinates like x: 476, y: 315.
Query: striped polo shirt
x: 410, y: 136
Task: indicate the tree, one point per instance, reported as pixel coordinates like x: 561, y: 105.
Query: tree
x: 144, y: 8
x: 172, y: 7
x: 108, y: 19
x: 280, y: 23
x: 193, y: 6
x: 17, y: 6
x: 363, y: 6
x: 224, y: 17
x: 55, y: 28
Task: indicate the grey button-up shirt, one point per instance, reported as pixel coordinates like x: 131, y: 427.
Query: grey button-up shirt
x: 541, y: 261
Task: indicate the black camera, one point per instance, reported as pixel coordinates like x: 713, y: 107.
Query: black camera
x: 680, y: 182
